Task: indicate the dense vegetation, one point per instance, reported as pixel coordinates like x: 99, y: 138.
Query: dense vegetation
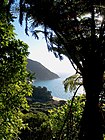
x: 74, y: 28
x: 41, y: 94
x: 14, y: 86
x: 59, y: 122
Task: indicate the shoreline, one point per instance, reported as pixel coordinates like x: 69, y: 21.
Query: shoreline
x: 58, y: 99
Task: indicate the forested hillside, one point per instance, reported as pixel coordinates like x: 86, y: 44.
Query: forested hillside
x: 41, y: 72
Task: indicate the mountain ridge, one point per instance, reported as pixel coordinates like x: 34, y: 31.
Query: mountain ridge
x: 41, y: 72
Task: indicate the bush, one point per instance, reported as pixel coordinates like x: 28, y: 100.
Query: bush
x: 41, y: 94
x: 38, y: 127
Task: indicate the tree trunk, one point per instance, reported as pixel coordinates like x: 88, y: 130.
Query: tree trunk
x: 91, y: 123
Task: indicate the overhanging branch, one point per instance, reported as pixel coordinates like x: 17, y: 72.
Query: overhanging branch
x: 71, y: 56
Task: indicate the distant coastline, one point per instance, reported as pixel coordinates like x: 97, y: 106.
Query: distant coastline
x: 56, y: 87
x: 40, y: 72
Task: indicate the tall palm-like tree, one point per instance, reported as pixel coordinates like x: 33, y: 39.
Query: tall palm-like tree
x: 80, y: 30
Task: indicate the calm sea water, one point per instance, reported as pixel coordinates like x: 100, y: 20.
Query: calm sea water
x: 56, y: 86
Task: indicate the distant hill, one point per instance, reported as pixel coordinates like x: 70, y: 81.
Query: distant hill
x: 41, y: 72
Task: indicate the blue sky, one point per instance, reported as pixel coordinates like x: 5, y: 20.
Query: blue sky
x: 39, y: 52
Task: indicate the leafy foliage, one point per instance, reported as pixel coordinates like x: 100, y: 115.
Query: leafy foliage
x: 65, y: 120
x: 71, y: 24
x: 81, y: 34
x: 60, y: 123
x: 38, y: 127
x: 41, y: 94
x: 71, y: 83
x: 14, y: 86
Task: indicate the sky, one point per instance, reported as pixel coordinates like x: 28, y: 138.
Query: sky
x: 39, y: 52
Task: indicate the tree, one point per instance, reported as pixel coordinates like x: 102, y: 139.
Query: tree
x: 41, y: 94
x: 79, y: 28
x: 14, y: 86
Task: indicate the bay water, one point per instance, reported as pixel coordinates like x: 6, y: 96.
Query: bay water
x: 56, y: 87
